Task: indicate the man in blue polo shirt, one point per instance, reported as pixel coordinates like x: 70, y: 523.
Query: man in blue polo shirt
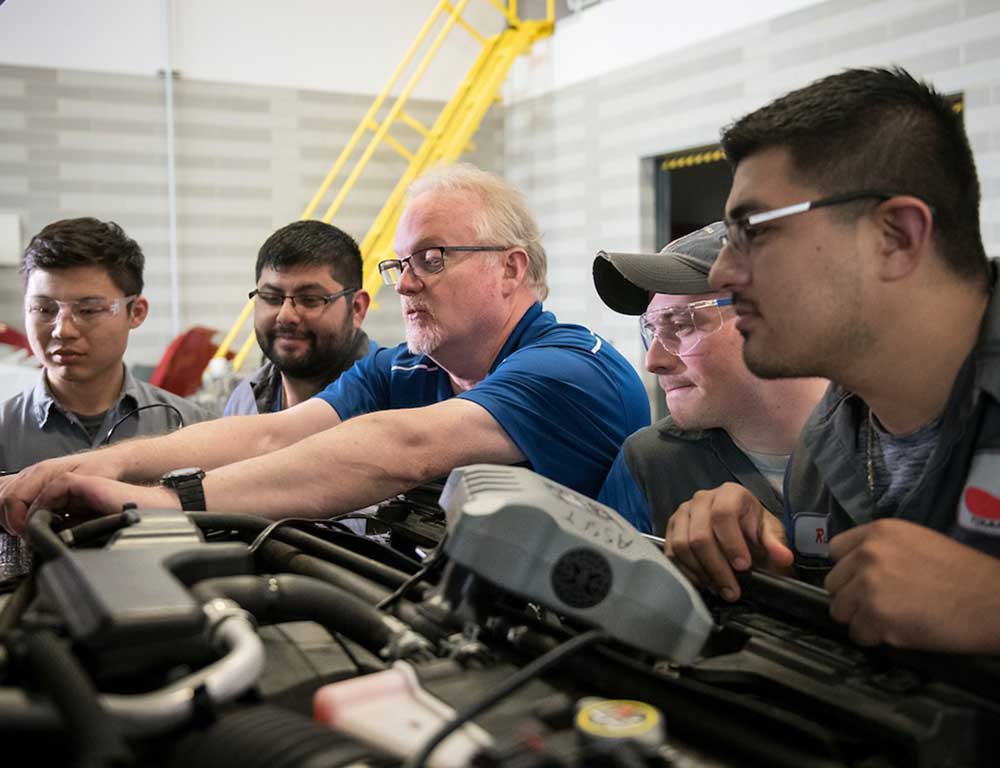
x: 485, y: 376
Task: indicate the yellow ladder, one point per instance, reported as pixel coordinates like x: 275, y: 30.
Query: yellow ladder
x: 443, y: 142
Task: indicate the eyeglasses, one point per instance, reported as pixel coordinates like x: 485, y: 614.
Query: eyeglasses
x: 679, y: 329
x: 87, y: 312
x: 306, y: 304
x: 741, y: 231
x: 427, y: 261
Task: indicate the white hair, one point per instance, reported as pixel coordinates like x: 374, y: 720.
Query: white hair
x: 504, y: 217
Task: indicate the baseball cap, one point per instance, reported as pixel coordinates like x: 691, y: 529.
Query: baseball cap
x: 625, y: 280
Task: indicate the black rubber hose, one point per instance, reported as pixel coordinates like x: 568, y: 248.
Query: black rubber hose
x: 42, y: 538
x: 265, y: 737
x: 15, y: 606
x: 276, y: 599
x: 98, y: 528
x: 278, y: 556
x: 308, y: 543
x: 94, y: 733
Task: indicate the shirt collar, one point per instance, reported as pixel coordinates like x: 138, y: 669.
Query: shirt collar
x: 42, y: 400
x: 515, y: 340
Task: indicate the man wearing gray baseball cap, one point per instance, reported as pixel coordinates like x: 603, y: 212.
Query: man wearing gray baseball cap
x: 725, y: 424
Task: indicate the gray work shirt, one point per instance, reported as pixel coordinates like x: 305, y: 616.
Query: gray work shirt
x: 35, y: 427
x: 669, y: 465
x: 958, y: 492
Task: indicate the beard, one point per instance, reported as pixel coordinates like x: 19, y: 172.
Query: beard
x: 423, y: 336
x: 324, y: 356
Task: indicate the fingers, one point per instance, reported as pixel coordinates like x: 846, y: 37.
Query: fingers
x: 772, y: 538
x: 14, y: 516
x: 706, y: 537
x: 677, y: 547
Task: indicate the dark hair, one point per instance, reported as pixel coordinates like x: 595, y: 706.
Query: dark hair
x: 87, y: 242
x: 313, y: 243
x: 877, y: 129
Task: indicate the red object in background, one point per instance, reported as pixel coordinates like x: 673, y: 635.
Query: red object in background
x: 179, y: 370
x: 13, y: 338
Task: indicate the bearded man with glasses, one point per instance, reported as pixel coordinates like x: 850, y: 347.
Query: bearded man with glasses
x: 308, y: 311
x: 485, y: 375
x: 724, y: 423
x: 854, y: 253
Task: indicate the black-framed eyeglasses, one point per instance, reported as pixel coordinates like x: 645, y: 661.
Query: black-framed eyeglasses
x: 427, y: 261
x: 740, y: 232
x: 681, y: 328
x: 303, y: 303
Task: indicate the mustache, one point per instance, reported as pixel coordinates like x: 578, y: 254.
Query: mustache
x: 289, y: 332
x: 419, y: 305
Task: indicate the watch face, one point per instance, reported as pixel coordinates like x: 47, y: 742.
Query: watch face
x: 183, y: 474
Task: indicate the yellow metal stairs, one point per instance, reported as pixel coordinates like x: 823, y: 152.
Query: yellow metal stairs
x: 443, y: 142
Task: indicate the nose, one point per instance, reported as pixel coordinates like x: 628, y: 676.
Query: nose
x: 64, y: 326
x: 287, y: 313
x: 408, y: 282
x: 730, y: 272
x: 660, y: 361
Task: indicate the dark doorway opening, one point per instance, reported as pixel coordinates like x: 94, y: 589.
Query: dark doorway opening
x: 691, y: 190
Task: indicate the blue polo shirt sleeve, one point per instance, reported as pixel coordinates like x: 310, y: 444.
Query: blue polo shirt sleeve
x: 568, y: 409
x: 362, y: 388
x: 621, y: 492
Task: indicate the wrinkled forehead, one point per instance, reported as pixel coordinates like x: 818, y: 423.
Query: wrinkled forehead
x: 437, y: 218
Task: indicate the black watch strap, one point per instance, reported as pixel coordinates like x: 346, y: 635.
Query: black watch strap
x: 189, y: 488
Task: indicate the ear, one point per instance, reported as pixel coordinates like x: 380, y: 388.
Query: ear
x: 140, y: 308
x: 905, y: 230
x: 360, y: 301
x: 515, y: 267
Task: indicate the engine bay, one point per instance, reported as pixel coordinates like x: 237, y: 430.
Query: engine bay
x: 502, y: 620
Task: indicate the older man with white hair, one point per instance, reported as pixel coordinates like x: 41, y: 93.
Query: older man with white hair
x: 486, y: 375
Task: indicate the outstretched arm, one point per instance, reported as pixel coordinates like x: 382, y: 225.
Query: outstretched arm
x: 364, y: 460
x: 207, y: 444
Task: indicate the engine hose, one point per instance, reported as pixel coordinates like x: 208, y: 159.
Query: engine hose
x: 313, y: 545
x: 95, y: 736
x: 265, y: 737
x: 43, y: 539
x: 276, y: 599
x: 279, y: 556
x: 98, y: 528
x: 16, y: 605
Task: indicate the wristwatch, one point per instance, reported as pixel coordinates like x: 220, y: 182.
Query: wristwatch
x: 187, y: 483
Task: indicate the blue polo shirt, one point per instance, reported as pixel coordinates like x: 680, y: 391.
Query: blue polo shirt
x: 623, y: 494
x: 566, y: 397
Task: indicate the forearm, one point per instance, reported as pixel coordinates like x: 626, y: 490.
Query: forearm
x: 361, y: 462
x: 208, y: 445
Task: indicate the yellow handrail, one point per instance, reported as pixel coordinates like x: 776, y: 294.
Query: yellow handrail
x: 372, y: 111
x: 445, y: 141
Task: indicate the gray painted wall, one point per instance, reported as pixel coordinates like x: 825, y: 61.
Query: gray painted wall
x: 248, y: 161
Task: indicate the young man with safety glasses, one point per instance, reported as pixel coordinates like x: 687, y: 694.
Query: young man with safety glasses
x: 308, y: 310
x: 854, y: 252
x: 82, y: 297
x: 486, y: 375
x: 724, y: 423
